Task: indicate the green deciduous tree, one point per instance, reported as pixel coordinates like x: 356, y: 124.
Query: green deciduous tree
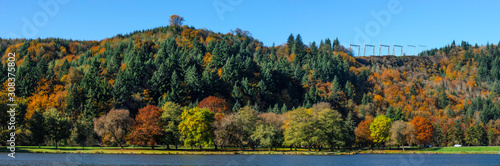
x: 265, y: 135
x: 57, y: 126
x: 37, y: 127
x: 196, y: 127
x: 398, y: 133
x: 171, y: 118
x: 82, y: 132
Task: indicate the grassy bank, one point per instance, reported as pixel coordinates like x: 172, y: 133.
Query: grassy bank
x: 441, y: 150
x: 263, y: 151
x: 164, y: 151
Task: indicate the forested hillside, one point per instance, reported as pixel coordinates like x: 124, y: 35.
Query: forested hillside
x: 178, y: 85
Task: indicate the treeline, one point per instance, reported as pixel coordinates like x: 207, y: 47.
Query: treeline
x: 456, y: 88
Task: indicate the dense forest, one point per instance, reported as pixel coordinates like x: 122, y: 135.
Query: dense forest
x: 181, y: 86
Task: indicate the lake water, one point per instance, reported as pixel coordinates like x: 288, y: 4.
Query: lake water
x: 361, y: 159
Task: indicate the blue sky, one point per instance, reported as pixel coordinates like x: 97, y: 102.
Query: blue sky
x: 411, y: 22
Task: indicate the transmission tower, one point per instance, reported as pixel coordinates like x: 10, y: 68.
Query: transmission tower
x: 380, y: 49
x: 418, y: 48
x: 370, y: 45
x: 393, y: 49
x: 354, y: 45
x: 407, y: 46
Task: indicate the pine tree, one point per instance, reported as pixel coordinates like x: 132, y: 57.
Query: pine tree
x: 26, y: 79
x: 283, y: 109
x: 398, y: 115
x: 413, y: 90
x: 334, y: 90
x: 121, y: 91
x: 159, y: 82
x: 348, y: 90
x: 174, y: 94
x: 276, y: 109
x: 349, y: 137
x: 390, y: 113
x: 64, y: 69
x: 236, y: 94
x: 364, y: 100
x: 236, y: 106
x: 495, y: 69
x: 192, y: 81
x: 290, y: 43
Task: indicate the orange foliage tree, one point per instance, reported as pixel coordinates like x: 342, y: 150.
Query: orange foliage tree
x: 217, y: 105
x: 424, y: 131
x: 147, y: 128
x: 362, y: 133
x: 176, y: 20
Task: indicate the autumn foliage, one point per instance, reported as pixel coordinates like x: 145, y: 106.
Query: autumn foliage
x: 363, y: 132
x: 147, y: 128
x: 217, y: 105
x: 423, y: 130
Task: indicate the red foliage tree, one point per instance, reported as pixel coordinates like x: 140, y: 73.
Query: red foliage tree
x: 424, y: 130
x: 147, y: 128
x: 217, y: 105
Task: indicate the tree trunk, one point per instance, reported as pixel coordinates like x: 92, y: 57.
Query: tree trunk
x: 117, y: 140
x: 38, y: 146
x: 153, y: 147
x: 308, y: 148
x: 175, y: 146
x: 168, y: 147
x: 269, y: 148
x: 201, y: 147
x: 215, y: 147
x: 56, y: 144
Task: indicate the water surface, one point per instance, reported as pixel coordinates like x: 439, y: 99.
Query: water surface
x: 250, y: 160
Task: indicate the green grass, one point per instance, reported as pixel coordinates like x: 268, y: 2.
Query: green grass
x: 236, y: 150
x: 472, y: 149
x: 164, y: 151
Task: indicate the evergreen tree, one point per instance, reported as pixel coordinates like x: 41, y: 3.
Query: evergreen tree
x: 495, y: 69
x: 283, y: 109
x: 290, y: 43
x: 193, y: 81
x: 236, y: 106
x: 349, y: 90
x: 236, y: 94
x: 26, y: 79
x: 413, y: 90
x: 275, y: 109
x: 334, y: 90
x: 174, y: 94
x: 349, y: 137
x: 390, y: 113
x: 159, y: 82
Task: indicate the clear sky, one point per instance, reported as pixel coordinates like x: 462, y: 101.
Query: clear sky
x: 408, y: 22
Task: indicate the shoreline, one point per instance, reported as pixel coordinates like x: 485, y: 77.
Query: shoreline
x: 135, y: 151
